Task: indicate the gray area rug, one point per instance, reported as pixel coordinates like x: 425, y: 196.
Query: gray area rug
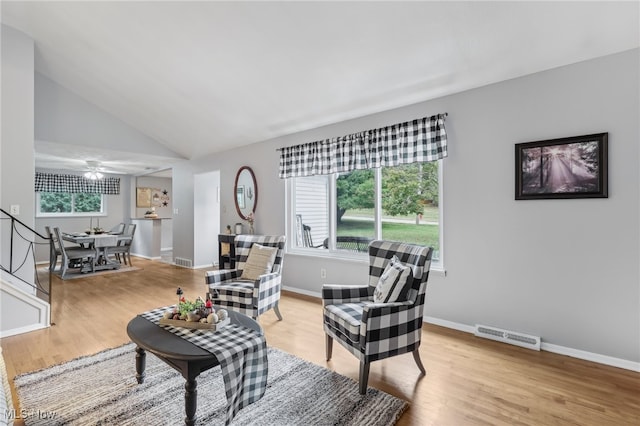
x: 102, y: 389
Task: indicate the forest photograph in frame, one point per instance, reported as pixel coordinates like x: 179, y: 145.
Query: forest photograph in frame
x: 574, y: 167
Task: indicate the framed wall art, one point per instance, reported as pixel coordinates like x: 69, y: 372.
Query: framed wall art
x: 574, y: 167
x: 143, y: 197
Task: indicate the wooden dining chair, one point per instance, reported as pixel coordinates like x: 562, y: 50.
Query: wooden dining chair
x: 54, y: 249
x: 122, y: 251
x: 72, y: 256
x: 118, y: 229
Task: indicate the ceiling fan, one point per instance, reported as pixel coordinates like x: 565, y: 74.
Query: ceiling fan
x: 93, y: 172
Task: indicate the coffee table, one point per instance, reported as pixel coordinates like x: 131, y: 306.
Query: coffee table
x: 184, y: 356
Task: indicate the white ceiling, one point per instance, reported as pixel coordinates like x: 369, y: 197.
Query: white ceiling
x: 202, y: 77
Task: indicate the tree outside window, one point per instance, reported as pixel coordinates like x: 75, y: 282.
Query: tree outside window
x: 68, y: 203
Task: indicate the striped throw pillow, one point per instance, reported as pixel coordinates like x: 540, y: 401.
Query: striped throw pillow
x: 394, y: 282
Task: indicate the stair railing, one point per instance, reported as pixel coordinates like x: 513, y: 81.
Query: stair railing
x: 21, y: 242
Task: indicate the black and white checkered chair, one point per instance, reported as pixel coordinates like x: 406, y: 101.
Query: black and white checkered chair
x: 373, y: 331
x: 252, y: 298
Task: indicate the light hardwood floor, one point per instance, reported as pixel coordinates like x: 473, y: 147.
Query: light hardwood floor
x: 469, y: 381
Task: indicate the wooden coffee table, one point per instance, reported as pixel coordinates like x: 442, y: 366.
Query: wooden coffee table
x: 184, y: 356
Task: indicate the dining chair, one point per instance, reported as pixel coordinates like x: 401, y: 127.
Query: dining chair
x: 122, y: 251
x: 54, y: 250
x: 118, y: 229
x: 72, y: 256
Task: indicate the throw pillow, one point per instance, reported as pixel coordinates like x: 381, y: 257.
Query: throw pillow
x: 394, y: 282
x: 259, y: 262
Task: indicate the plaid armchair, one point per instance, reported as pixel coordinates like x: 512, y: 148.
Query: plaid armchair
x: 373, y: 331
x: 251, y: 298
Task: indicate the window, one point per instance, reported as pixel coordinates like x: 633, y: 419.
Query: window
x: 69, y: 204
x: 340, y: 213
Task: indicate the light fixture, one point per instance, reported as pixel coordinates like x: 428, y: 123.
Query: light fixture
x: 93, y: 172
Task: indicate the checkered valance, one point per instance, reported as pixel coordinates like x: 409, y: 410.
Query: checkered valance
x: 49, y: 182
x: 421, y: 140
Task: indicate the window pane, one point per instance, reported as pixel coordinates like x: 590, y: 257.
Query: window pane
x: 410, y: 204
x: 88, y: 203
x: 55, y: 202
x: 355, y: 196
x: 312, y: 211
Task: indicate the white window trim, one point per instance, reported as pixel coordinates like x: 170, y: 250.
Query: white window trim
x: 103, y: 213
x: 332, y: 253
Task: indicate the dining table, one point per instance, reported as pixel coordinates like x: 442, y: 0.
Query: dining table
x: 101, y: 243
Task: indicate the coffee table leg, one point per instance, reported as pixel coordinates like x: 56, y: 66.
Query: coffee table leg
x: 141, y: 358
x: 190, y: 401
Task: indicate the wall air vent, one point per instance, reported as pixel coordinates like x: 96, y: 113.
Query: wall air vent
x: 506, y: 336
x: 185, y: 263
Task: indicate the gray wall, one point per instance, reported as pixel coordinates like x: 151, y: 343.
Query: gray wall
x: 566, y: 270
x: 160, y: 183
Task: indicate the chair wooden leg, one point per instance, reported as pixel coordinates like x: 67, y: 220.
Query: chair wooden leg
x: 364, y: 377
x: 329, y: 346
x: 64, y: 266
x: 277, y: 311
x: 416, y: 357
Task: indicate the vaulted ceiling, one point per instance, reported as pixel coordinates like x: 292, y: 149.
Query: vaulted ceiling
x: 201, y: 77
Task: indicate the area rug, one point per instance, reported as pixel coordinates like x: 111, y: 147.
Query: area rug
x: 102, y: 389
x: 73, y: 274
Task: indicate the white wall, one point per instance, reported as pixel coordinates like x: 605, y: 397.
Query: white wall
x: 16, y: 146
x: 566, y: 270
x: 66, y: 118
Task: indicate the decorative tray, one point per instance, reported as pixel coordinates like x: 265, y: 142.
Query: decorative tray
x: 195, y: 324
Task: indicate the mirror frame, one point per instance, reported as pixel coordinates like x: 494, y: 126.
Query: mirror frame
x: 255, y: 190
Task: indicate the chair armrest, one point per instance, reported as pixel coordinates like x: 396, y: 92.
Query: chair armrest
x: 216, y: 277
x: 267, y: 283
x: 265, y: 278
x: 405, y: 316
x: 124, y: 241
x: 334, y: 294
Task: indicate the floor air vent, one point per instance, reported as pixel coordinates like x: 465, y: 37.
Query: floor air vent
x: 506, y: 336
x: 180, y: 261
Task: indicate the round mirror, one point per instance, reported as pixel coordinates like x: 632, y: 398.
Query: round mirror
x: 246, y: 191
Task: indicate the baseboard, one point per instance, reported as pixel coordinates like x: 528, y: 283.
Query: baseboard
x: 590, y: 356
x: 301, y: 291
x: 205, y: 265
x: 549, y: 347
x: 20, y: 330
x: 146, y: 257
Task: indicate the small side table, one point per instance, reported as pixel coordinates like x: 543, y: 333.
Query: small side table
x: 229, y: 257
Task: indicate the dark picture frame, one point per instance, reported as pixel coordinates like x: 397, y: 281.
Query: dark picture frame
x: 574, y: 167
